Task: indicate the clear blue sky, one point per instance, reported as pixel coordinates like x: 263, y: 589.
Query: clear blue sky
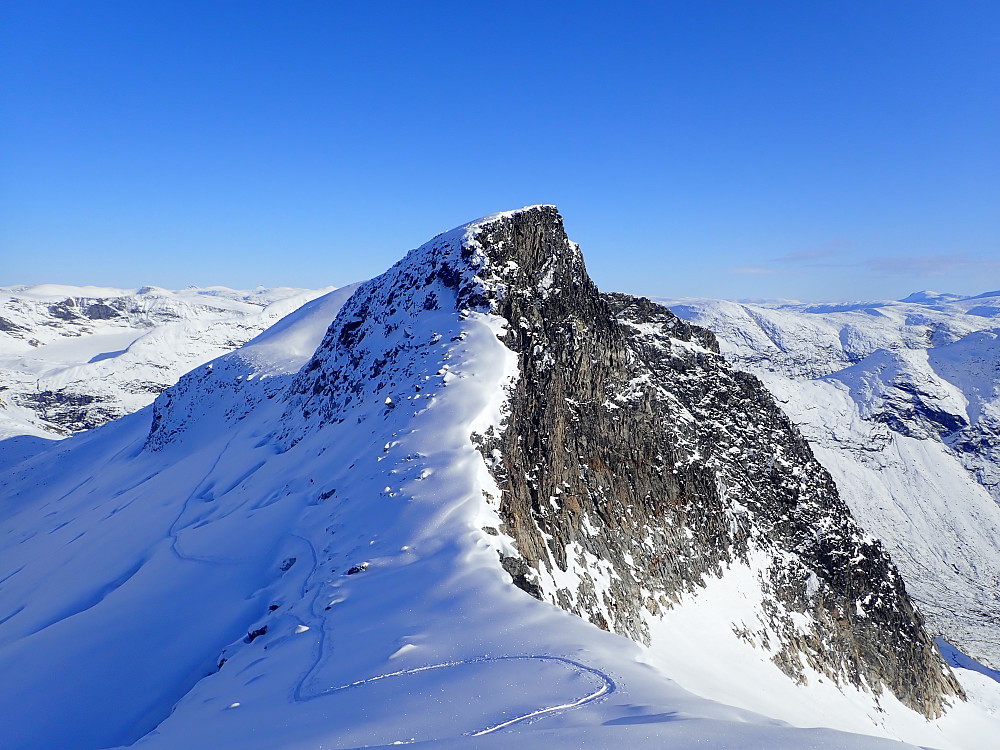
x: 811, y: 150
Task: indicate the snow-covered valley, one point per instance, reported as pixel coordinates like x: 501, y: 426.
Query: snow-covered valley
x: 306, y: 542
x: 72, y: 358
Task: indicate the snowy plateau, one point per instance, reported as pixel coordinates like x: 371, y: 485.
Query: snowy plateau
x: 474, y: 502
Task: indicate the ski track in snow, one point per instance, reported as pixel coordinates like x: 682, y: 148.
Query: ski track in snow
x: 176, y: 528
x: 301, y: 695
x: 606, y: 688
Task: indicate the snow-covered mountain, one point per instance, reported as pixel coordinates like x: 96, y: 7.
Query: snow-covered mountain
x: 400, y: 537
x: 901, y: 402
x: 72, y: 358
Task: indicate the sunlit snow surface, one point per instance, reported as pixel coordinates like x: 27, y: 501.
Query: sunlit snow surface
x: 238, y: 589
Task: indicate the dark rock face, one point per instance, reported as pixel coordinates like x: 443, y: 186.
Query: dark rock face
x: 10, y: 327
x: 100, y: 311
x: 633, y: 454
x: 523, y: 576
x: 633, y: 462
x: 65, y: 310
x: 70, y: 411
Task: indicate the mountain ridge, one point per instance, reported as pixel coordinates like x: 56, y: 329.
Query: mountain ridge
x: 349, y: 532
x: 902, y: 403
x: 576, y: 347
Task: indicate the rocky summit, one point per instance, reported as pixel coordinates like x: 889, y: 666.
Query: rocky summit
x: 634, y: 449
x: 633, y: 463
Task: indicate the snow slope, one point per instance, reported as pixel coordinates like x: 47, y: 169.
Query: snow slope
x: 266, y: 569
x: 901, y: 402
x: 74, y: 357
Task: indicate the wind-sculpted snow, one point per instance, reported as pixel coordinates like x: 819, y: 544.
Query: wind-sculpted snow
x: 909, y: 426
x: 219, y: 391
x: 379, y: 345
x: 72, y: 358
x: 277, y: 559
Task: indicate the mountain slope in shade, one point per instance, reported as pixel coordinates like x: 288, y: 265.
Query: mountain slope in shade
x: 901, y: 401
x: 72, y: 358
x: 281, y: 557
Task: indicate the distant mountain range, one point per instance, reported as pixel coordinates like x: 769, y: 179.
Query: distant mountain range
x: 72, y: 358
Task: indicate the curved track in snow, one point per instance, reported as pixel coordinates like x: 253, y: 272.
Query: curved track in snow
x: 606, y: 688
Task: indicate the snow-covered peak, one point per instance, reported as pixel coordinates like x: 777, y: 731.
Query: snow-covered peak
x: 326, y: 558
x: 400, y: 312
x: 470, y: 228
x: 928, y: 296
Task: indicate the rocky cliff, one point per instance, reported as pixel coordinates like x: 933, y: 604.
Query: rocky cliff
x: 633, y: 464
x: 293, y: 546
x: 900, y: 400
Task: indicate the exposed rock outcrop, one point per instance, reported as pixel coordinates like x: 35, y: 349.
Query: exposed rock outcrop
x: 901, y: 401
x: 632, y: 446
x: 633, y: 463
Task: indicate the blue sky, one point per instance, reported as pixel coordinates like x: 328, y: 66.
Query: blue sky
x: 817, y: 151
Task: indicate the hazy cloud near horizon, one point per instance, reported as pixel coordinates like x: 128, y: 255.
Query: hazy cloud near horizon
x: 917, y: 267
x: 933, y: 265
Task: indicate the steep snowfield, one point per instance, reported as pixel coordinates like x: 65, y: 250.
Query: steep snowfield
x: 256, y: 574
x: 75, y: 357
x: 901, y: 402
x: 694, y: 644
